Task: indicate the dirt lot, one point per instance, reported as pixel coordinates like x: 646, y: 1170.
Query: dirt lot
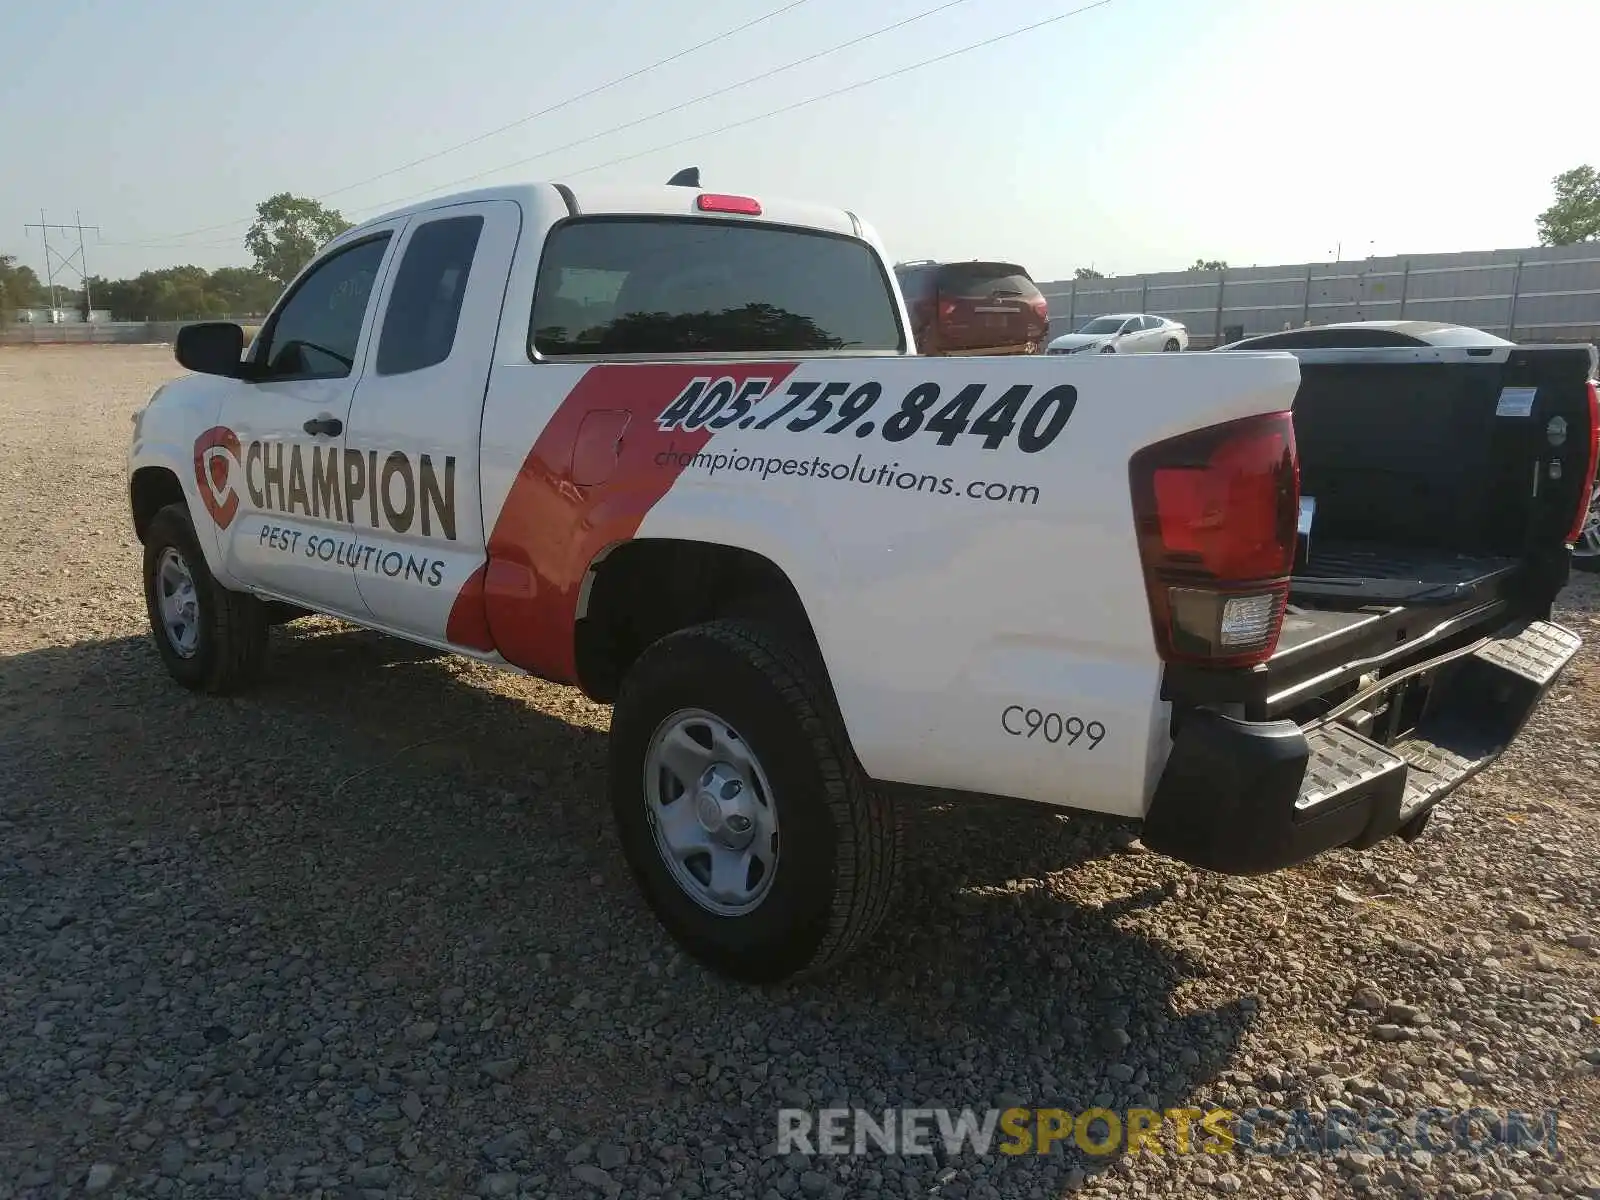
x: 365, y: 931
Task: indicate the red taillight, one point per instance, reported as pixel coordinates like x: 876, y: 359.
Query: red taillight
x: 1216, y: 517
x: 716, y: 202
x: 1588, y: 479
x: 1041, y: 308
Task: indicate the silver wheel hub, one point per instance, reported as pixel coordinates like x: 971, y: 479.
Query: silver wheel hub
x: 1588, y: 543
x: 179, y: 603
x: 711, y: 810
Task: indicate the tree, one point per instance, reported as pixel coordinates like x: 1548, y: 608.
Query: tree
x: 181, y: 293
x: 1209, y: 264
x: 19, y: 286
x: 1087, y: 273
x: 242, y: 290
x: 1575, y: 215
x: 287, y: 231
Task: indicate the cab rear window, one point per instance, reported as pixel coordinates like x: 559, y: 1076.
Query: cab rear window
x: 662, y: 285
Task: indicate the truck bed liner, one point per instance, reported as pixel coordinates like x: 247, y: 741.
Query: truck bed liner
x: 1366, y: 573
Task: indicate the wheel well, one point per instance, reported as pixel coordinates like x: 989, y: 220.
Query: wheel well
x: 151, y: 490
x: 643, y: 590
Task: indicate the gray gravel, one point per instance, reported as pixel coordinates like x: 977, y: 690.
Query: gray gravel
x: 365, y: 931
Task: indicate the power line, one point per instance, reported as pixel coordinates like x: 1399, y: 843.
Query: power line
x: 722, y: 91
x: 543, y: 112
x: 232, y: 241
x: 788, y: 108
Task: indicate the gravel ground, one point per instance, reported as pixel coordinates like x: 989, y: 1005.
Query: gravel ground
x: 365, y: 932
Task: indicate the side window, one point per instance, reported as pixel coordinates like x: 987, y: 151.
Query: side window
x: 419, y: 326
x: 1132, y: 325
x: 315, y: 334
x: 1149, y: 322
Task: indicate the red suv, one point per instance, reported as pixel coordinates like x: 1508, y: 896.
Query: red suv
x: 973, y: 307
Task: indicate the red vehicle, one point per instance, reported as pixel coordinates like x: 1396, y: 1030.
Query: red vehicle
x: 973, y: 307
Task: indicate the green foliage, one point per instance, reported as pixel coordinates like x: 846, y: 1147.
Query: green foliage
x: 1209, y: 264
x: 180, y: 293
x: 1575, y: 215
x: 170, y: 294
x: 1087, y: 273
x: 287, y: 231
x: 19, y: 287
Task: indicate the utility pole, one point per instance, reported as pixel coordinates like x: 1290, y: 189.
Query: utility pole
x: 76, y: 262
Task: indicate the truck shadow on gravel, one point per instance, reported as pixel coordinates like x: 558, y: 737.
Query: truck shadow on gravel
x: 413, y: 824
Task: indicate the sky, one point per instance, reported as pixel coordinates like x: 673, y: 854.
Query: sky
x: 1136, y: 136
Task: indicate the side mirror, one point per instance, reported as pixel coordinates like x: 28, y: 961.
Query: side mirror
x: 210, y: 348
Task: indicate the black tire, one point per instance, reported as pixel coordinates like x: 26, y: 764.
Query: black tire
x: 1172, y: 346
x: 1108, y: 348
x: 841, y: 840
x: 230, y: 648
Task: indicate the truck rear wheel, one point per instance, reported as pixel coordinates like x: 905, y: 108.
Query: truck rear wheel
x: 211, y: 639
x: 1586, y: 551
x: 755, y: 836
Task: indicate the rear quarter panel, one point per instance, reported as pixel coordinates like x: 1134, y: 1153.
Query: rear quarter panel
x: 953, y: 588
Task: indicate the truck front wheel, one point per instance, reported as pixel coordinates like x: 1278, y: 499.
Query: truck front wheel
x: 755, y: 836
x: 211, y: 639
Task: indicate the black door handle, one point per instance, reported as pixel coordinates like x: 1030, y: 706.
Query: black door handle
x: 331, y: 426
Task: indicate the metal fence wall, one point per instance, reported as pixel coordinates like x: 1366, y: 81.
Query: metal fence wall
x: 101, y: 333
x: 1541, y: 293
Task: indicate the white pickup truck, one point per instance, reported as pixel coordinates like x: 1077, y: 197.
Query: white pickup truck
x: 672, y: 447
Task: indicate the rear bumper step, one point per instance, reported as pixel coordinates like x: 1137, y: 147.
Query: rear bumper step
x: 1246, y: 797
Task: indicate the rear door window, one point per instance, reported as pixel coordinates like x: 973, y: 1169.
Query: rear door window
x: 662, y: 285
x: 419, y: 328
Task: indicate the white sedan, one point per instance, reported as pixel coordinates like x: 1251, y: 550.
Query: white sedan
x: 1123, y: 333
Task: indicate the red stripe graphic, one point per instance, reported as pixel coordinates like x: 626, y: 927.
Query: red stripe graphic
x: 469, y: 620
x: 524, y: 602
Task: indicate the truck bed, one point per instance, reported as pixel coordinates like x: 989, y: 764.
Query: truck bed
x: 1438, y: 487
